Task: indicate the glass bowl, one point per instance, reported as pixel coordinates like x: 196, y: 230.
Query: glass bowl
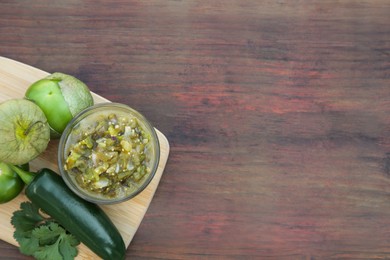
x: 108, y: 153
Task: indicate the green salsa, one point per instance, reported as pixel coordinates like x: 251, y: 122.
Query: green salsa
x: 110, y: 155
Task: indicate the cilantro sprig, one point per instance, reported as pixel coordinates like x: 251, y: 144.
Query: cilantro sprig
x: 41, y: 237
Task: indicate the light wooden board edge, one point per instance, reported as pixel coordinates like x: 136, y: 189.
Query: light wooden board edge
x: 15, y: 77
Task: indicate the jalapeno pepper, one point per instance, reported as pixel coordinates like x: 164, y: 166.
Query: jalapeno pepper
x: 85, y: 220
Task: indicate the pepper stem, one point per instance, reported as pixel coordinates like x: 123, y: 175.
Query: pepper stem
x: 26, y: 176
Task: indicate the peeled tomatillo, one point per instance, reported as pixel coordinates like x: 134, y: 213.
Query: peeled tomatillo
x: 61, y: 97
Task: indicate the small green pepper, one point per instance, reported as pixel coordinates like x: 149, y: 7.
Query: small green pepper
x: 10, y: 183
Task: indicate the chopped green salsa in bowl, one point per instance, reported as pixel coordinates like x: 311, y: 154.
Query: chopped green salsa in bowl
x: 108, y: 153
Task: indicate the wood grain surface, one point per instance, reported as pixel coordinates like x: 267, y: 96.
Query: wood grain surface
x: 277, y: 113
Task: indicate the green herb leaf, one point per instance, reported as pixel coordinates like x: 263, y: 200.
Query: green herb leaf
x: 48, y: 234
x: 40, y: 237
x: 48, y: 252
x: 27, y: 218
x: 67, y: 247
x: 27, y: 245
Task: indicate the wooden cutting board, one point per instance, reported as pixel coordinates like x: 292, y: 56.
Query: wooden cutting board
x: 15, y: 78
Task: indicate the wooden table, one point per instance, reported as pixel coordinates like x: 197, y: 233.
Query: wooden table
x: 277, y: 113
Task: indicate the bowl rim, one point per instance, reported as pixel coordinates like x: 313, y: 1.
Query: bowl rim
x: 78, y: 118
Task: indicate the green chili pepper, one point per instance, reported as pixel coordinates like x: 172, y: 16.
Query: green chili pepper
x: 85, y: 220
x: 10, y: 183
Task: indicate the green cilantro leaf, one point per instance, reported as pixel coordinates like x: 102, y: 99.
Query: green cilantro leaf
x: 40, y: 237
x: 48, y: 234
x: 27, y: 244
x: 68, y: 247
x: 49, y: 252
x: 26, y: 219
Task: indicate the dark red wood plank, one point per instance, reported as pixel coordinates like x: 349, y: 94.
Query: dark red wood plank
x: 277, y: 112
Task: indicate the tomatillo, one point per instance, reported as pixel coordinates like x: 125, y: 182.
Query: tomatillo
x: 10, y: 182
x: 61, y: 97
